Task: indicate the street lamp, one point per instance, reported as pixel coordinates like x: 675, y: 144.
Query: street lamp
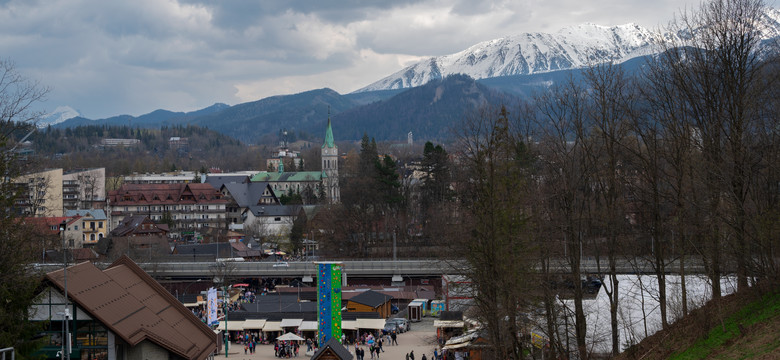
x: 66, y: 347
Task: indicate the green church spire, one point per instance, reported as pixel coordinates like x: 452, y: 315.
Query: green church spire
x: 328, y: 134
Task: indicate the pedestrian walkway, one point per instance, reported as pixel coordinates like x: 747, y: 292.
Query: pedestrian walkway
x: 421, y: 339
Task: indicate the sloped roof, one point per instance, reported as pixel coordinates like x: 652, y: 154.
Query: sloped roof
x: 371, y: 298
x: 136, y: 308
x: 295, y: 176
x: 132, y: 225
x: 333, y: 347
x: 218, y: 180
x: 97, y: 214
x: 248, y: 194
x: 165, y: 194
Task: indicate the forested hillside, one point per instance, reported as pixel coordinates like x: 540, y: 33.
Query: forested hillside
x: 82, y: 147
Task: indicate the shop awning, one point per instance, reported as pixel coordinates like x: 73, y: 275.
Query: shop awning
x: 448, y: 323
x: 348, y: 325
x: 254, y: 324
x: 272, y: 326
x: 456, y: 346
x: 291, y: 323
x: 232, y: 325
x: 374, y: 324
x: 308, y: 326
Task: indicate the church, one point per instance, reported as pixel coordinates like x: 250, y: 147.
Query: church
x: 324, y: 182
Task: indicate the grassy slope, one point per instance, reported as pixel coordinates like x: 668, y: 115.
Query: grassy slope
x: 739, y: 326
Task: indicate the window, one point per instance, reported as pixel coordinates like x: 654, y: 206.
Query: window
x: 100, y: 225
x: 92, y: 237
x: 76, y: 227
x: 92, y: 225
x: 277, y: 219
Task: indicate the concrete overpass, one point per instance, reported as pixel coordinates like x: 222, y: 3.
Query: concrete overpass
x: 368, y: 268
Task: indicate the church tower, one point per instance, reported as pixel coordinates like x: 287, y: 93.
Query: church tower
x: 330, y: 166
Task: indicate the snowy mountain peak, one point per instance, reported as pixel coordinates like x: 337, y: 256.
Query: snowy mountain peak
x: 571, y: 47
x: 60, y: 114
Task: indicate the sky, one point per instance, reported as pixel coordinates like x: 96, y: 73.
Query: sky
x: 106, y: 58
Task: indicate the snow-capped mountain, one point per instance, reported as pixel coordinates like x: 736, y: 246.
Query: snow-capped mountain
x: 60, y: 114
x: 531, y: 53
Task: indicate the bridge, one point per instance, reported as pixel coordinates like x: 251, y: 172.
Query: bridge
x: 371, y: 268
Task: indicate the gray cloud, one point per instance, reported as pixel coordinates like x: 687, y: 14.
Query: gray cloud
x: 130, y: 57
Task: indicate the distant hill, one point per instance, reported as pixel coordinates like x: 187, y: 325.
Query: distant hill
x: 154, y: 119
x: 430, y: 111
x: 305, y: 112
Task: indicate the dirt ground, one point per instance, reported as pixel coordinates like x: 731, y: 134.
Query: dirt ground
x: 421, y: 339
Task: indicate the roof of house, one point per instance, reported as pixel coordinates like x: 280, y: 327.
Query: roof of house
x: 83, y: 254
x: 165, y: 194
x: 97, y: 214
x: 136, y: 308
x: 132, y: 225
x: 295, y: 176
x: 249, y: 194
x: 332, y: 347
x: 218, y: 180
x: 371, y: 298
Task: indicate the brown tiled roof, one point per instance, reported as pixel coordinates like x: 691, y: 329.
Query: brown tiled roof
x: 165, y: 194
x: 136, y: 308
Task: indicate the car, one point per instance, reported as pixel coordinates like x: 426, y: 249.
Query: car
x: 282, y: 264
x: 390, y: 327
x: 401, y: 323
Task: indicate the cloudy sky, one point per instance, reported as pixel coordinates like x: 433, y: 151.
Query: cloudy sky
x: 114, y: 57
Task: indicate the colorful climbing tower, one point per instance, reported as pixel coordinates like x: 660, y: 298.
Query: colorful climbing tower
x: 328, y: 301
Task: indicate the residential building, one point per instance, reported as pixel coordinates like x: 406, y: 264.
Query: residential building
x: 94, y: 225
x: 84, y: 189
x: 186, y: 206
x: 273, y: 221
x: 138, y: 237
x: 41, y: 194
x: 241, y: 196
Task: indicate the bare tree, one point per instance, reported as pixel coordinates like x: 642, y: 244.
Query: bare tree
x: 496, y: 247
x: 565, y: 188
x: 716, y: 68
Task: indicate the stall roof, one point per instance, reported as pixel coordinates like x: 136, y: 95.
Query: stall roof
x: 448, y: 323
x: 272, y: 326
x: 231, y: 325
x: 349, y: 325
x: 254, y: 324
x: 291, y: 323
x: 308, y: 326
x: 374, y: 324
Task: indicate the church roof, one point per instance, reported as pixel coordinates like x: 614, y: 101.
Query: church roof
x: 329, y: 137
x: 297, y: 176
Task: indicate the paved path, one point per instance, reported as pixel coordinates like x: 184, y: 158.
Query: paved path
x: 421, y: 339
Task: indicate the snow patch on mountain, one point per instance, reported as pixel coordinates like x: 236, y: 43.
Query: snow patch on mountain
x: 60, y: 114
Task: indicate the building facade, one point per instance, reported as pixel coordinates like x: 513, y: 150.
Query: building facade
x: 187, y: 207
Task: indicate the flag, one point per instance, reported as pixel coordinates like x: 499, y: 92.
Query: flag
x: 212, y: 306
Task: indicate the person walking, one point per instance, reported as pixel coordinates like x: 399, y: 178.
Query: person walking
x: 394, y: 336
x: 423, y: 357
x: 411, y: 355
